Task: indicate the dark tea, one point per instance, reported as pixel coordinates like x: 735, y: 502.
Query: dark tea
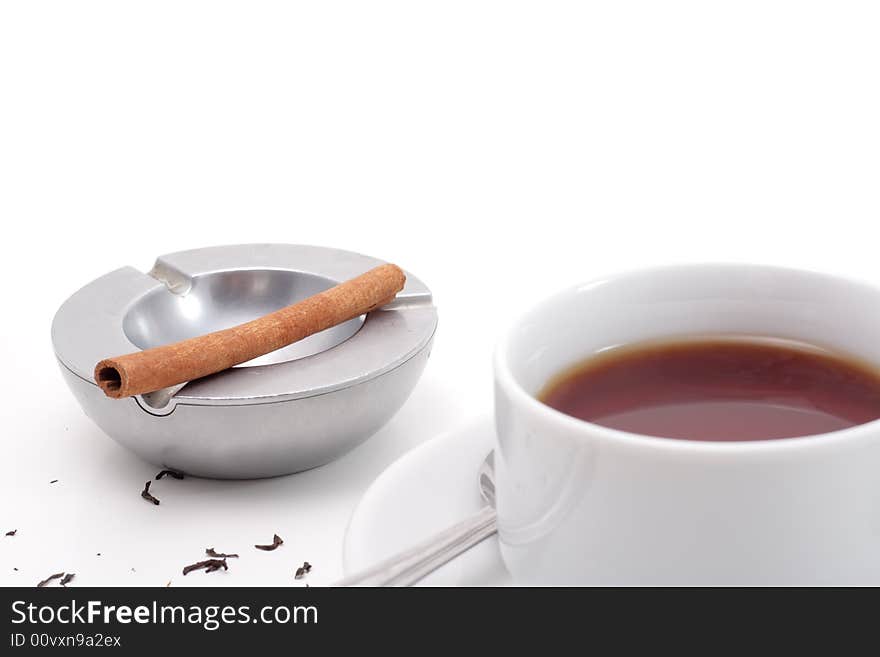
x: 719, y: 389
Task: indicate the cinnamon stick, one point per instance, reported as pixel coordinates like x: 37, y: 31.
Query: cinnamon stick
x: 168, y: 365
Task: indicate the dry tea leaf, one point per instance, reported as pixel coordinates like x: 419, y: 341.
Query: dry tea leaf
x: 209, y: 566
x: 145, y: 493
x: 219, y: 555
x: 170, y: 473
x: 276, y: 541
x: 49, y: 579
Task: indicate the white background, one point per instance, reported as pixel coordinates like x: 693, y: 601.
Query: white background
x: 499, y: 150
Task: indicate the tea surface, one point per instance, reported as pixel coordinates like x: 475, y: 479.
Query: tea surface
x: 719, y: 389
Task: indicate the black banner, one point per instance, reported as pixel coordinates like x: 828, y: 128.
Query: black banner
x: 262, y: 620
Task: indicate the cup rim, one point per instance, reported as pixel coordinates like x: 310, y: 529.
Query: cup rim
x: 585, y: 429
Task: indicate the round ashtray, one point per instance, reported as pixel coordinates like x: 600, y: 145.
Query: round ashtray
x: 290, y: 410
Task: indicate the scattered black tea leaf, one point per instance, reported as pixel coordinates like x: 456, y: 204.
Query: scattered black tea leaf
x: 170, y: 473
x: 49, y: 579
x: 145, y: 493
x: 15, y: 569
x: 54, y: 481
x: 276, y: 541
x: 98, y: 554
x: 303, y: 570
x: 220, y: 555
x: 209, y: 565
x: 66, y: 579
x: 12, y: 532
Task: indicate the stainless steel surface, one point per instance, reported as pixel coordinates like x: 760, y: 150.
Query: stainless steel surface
x: 226, y: 298
x: 294, y: 409
x: 408, y: 567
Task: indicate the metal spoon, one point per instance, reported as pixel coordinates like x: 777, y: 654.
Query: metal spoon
x: 408, y: 567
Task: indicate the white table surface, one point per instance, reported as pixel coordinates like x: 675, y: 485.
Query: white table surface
x: 498, y: 150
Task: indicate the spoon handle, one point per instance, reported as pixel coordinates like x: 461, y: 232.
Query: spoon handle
x: 408, y: 567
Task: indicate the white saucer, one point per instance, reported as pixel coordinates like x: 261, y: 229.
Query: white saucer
x: 426, y: 490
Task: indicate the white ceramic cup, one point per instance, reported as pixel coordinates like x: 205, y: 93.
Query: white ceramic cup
x: 583, y: 504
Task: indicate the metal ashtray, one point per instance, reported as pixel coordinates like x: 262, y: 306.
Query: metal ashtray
x: 290, y: 410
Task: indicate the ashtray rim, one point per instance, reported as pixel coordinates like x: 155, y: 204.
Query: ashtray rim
x: 89, y: 324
